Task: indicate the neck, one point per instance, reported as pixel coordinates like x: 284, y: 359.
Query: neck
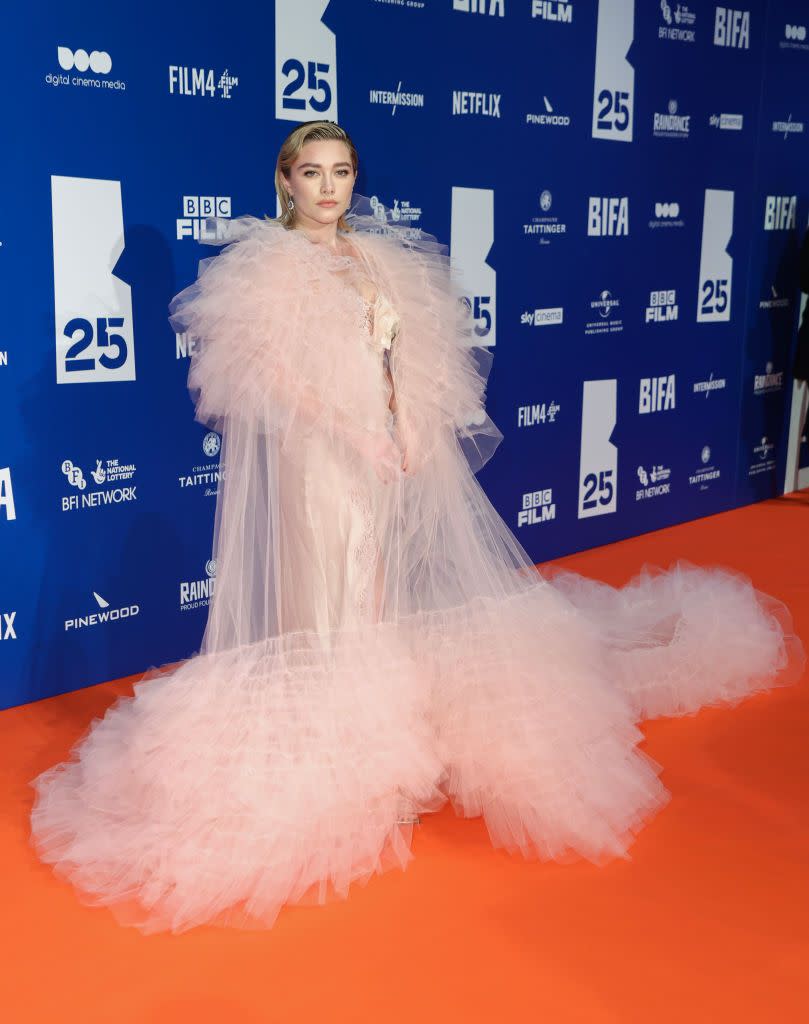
x: 323, y: 234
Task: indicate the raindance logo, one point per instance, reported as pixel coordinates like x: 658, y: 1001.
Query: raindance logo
x: 531, y: 415
x: 546, y: 224
x: 91, y: 70
x: 550, y: 118
x: 543, y: 317
x: 7, y: 631
x: 657, y: 394
x: 671, y: 125
x: 395, y: 99
x: 103, y: 615
x: 653, y: 483
x: 768, y: 382
x: 705, y: 387
x: 732, y: 28
x: 205, y: 475
x: 553, y: 10
x: 788, y: 127
x: 537, y: 507
x: 607, y: 216
x: 188, y: 81
x: 107, y: 475
x: 704, y: 476
x: 667, y: 215
x: 678, y: 22
x: 197, y: 210
x: 662, y: 307
x: 607, y: 323
x: 727, y: 122
x: 763, y: 462
x: 197, y: 593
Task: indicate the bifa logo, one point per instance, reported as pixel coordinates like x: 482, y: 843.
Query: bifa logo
x: 197, y: 210
x: 494, y: 8
x: 779, y: 213
x: 553, y: 10
x: 537, y: 507
x: 607, y: 215
x: 103, y: 615
x: 7, y: 631
x: 657, y: 394
x: 188, y: 81
x: 543, y: 317
x: 732, y: 28
x: 662, y: 307
x: 197, y: 593
x: 7, y: 494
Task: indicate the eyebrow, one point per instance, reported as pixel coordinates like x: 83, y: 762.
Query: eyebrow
x: 343, y: 163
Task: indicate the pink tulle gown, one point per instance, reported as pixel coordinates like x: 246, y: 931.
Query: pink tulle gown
x: 375, y: 648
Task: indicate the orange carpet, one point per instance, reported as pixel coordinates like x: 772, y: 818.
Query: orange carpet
x: 709, y: 921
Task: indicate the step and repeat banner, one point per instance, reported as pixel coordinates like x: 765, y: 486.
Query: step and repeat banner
x: 623, y: 185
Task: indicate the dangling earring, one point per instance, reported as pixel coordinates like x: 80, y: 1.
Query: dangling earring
x: 290, y: 204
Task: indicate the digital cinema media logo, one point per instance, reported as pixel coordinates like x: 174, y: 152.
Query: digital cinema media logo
x: 87, y: 70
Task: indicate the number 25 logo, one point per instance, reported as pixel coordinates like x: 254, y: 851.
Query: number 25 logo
x: 314, y: 76
x: 82, y: 331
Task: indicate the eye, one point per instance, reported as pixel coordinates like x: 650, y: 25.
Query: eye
x: 343, y: 172
x: 307, y: 173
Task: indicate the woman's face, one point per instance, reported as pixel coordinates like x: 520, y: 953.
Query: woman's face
x: 321, y: 181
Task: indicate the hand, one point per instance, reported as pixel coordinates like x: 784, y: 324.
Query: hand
x: 381, y: 452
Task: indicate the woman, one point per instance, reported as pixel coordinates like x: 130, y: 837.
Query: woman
x: 379, y: 642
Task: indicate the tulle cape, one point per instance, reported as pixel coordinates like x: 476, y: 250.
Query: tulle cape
x: 376, y: 649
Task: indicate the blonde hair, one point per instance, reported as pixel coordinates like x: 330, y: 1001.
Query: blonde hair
x: 310, y: 131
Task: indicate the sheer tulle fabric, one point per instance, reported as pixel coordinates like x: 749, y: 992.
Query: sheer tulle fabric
x: 375, y: 649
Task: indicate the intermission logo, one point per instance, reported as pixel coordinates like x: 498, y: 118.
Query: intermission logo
x: 657, y: 394
x: 205, y: 475
x: 706, y: 473
x: 788, y: 127
x: 666, y: 215
x: 604, y: 309
x: 775, y: 301
x: 731, y: 28
x: 705, y: 387
x: 607, y: 216
x: 188, y: 81
x: 672, y: 124
x: 662, y: 307
x: 395, y: 99
x: 105, y: 614
x: 545, y: 225
x: 486, y: 104
x: 534, y: 415
x: 196, y: 211
x: 653, y: 482
x: 678, y: 22
x: 7, y: 507
x: 795, y: 38
x: 7, y: 630
x: 108, y: 476
x: 198, y: 593
x: 543, y: 317
x: 779, y: 213
x: 768, y: 382
x: 84, y: 70
x: 550, y: 118
x: 494, y: 8
x: 553, y: 10
x: 727, y: 122
x: 537, y: 507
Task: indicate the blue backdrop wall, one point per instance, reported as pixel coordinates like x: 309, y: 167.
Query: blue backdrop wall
x: 623, y: 185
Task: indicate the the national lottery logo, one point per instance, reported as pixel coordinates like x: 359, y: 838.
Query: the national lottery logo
x: 543, y: 317
x: 788, y: 127
x: 196, y: 211
x: 494, y: 8
x: 403, y: 211
x: 763, y: 462
x: 188, y: 81
x: 727, y: 122
x: 102, y: 614
x: 607, y: 216
x: 111, y: 479
x: 7, y: 508
x: 395, y: 98
x: 545, y: 225
x: 732, y: 28
x: 549, y: 118
x: 780, y: 213
x: 666, y: 215
x: 553, y: 10
x: 657, y: 394
x: 7, y: 628
x: 89, y: 70
x: 706, y: 473
x: 654, y: 482
x: 205, y: 475
x: 795, y: 38
x: 537, y: 507
x: 775, y: 301
x: 533, y: 415
x: 705, y: 387
x: 768, y: 382
x: 483, y: 104
x: 604, y: 315
x: 198, y: 593
x: 662, y: 307
x: 678, y: 22
x: 672, y: 124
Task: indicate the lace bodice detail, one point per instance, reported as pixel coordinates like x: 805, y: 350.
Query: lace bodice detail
x: 379, y: 320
